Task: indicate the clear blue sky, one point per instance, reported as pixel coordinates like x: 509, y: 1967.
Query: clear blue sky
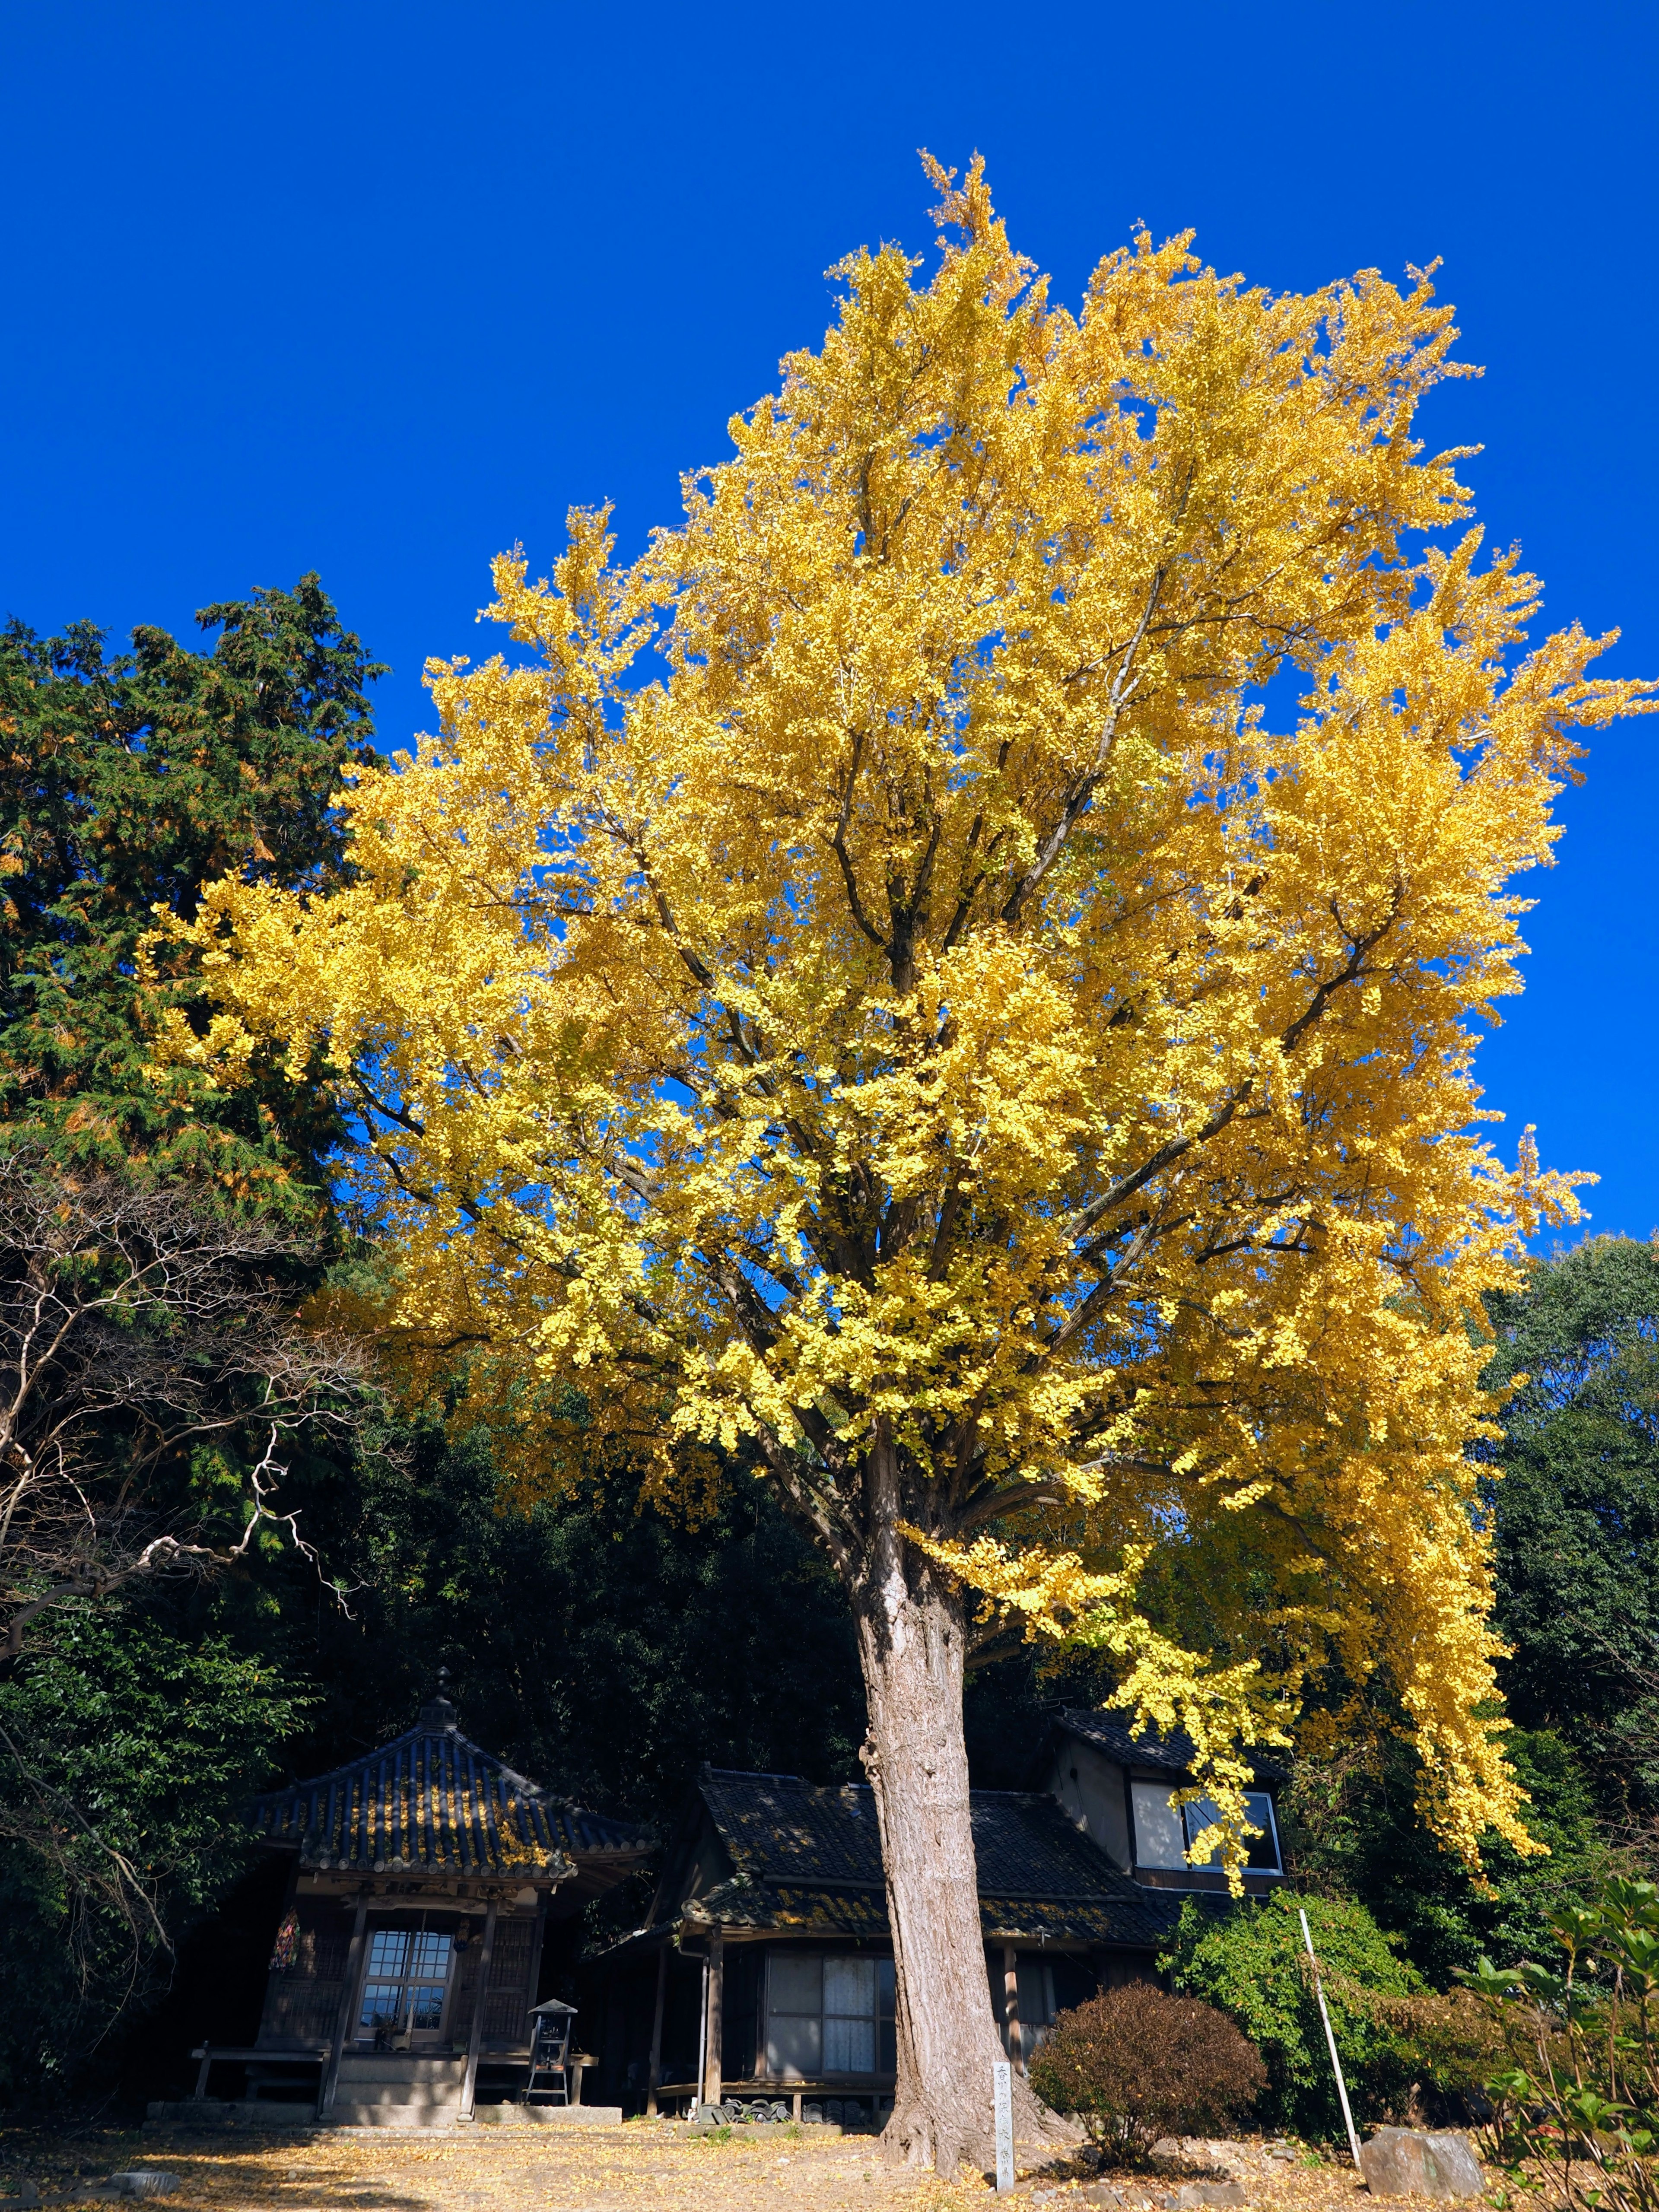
x: 379, y: 289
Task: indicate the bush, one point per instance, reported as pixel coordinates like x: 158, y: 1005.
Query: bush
x: 1397, y: 2038
x: 1574, y: 2089
x: 1135, y: 2065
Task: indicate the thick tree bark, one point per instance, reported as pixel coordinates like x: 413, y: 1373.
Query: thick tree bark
x: 912, y: 1637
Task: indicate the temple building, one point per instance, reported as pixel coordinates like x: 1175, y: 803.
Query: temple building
x: 423, y: 1879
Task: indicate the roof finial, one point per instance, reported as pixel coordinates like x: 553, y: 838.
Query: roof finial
x: 438, y: 1714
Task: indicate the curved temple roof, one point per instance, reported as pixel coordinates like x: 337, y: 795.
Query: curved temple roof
x: 431, y: 1801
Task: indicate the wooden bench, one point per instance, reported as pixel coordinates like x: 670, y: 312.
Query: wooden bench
x: 301, y: 2054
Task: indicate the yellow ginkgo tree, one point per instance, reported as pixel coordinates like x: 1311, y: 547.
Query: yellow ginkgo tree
x: 874, y: 997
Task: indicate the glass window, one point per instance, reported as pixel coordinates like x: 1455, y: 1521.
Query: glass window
x: 1159, y: 1839
x: 382, y: 2006
x: 849, y: 2015
x: 1258, y: 1811
x: 828, y: 2016
x: 794, y: 2016
x: 1034, y: 1994
x: 388, y: 1951
x: 405, y: 1984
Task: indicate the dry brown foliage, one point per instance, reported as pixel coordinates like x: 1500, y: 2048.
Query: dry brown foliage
x: 1134, y: 2064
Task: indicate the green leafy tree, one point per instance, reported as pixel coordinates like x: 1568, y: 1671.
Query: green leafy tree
x: 126, y: 783
x: 1351, y: 1828
x: 1573, y: 1492
x: 129, y: 1745
x: 1576, y: 1513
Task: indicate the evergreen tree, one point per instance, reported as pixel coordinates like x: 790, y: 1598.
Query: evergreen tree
x: 1576, y: 1513
x: 126, y: 783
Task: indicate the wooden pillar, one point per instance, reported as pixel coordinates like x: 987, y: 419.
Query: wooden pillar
x: 711, y: 2071
x: 330, y: 2081
x: 1011, y: 2004
x: 654, y: 2072
x: 533, y: 1988
x: 475, y: 2038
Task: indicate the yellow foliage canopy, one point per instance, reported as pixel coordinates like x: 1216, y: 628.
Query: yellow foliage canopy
x: 933, y: 1016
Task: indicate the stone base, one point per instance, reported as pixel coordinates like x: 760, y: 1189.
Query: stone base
x: 249, y: 2116
x: 547, y: 2116
x: 242, y: 2113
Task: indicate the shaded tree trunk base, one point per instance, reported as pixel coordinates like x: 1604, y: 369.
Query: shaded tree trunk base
x: 914, y: 2137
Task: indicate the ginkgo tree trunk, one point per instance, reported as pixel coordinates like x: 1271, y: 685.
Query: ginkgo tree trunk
x: 873, y: 993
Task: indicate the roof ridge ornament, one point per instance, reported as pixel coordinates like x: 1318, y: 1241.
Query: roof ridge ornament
x: 438, y: 1714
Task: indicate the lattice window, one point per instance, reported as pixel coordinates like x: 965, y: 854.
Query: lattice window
x: 302, y: 1999
x: 509, y: 1996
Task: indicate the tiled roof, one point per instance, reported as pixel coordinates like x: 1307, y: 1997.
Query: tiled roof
x: 1024, y: 1846
x: 811, y: 1858
x: 431, y: 1801
x: 1171, y: 1755
x: 778, y: 1827
x: 1131, y: 1916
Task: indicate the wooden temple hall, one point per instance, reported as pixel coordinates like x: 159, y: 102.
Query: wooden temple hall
x: 424, y: 1882
x: 764, y: 1974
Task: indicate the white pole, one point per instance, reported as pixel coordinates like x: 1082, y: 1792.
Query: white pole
x: 1330, y: 2041
x: 702, y: 2044
x: 1002, y: 2108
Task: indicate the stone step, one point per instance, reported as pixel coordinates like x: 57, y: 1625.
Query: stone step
x: 386, y: 2115
x: 425, y: 2096
x: 396, y: 2066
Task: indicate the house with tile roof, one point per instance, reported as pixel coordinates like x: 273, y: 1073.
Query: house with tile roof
x: 423, y: 1880
x: 765, y: 1969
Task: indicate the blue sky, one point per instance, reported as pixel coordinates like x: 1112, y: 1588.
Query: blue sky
x: 378, y: 290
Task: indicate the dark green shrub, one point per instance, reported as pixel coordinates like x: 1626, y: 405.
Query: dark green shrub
x: 1135, y: 2065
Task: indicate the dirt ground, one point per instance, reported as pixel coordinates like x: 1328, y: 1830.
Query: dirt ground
x: 642, y: 2167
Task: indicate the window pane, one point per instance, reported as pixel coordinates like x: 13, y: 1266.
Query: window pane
x: 850, y: 2046
x: 381, y: 2006
x: 885, y: 1990
x: 850, y: 1988
x: 1158, y: 1839
x: 1036, y: 1995
x: 1199, y: 1817
x: 427, y: 2008
x: 794, y: 1983
x: 794, y: 2045
x: 388, y: 1947
x: 1264, y: 1851
x: 1258, y: 1811
x: 429, y: 1958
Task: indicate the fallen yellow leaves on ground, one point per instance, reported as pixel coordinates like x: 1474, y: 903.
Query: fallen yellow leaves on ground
x: 629, y: 2168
